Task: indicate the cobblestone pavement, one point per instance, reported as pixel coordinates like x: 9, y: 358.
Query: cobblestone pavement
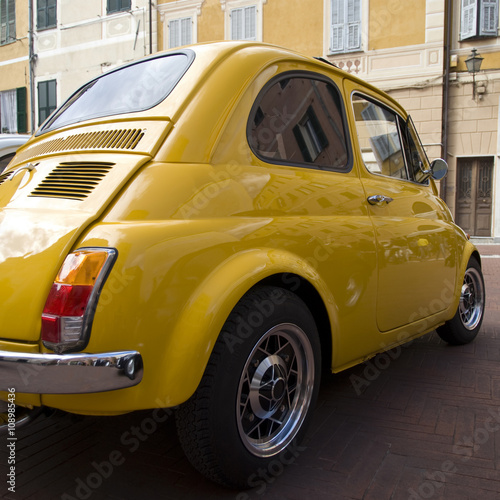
x: 426, y: 425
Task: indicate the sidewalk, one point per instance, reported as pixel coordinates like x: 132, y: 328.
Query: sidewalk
x: 426, y: 425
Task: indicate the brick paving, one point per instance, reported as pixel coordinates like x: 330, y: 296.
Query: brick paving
x: 425, y: 424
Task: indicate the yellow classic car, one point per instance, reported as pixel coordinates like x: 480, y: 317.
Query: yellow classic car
x: 209, y: 227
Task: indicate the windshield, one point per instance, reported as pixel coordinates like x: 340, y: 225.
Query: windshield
x: 130, y: 89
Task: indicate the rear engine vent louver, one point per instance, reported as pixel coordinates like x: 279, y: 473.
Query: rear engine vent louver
x: 123, y: 139
x: 4, y: 177
x: 72, y: 180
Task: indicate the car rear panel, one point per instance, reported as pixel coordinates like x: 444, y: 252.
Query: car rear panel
x: 46, y: 203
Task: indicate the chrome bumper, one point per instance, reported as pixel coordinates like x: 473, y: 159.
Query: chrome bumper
x: 69, y: 373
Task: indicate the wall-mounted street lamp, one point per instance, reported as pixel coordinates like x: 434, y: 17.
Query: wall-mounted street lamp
x: 474, y: 66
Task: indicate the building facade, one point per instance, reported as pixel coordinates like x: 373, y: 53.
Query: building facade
x: 79, y: 40
x: 14, y: 66
x: 49, y: 48
x: 416, y: 51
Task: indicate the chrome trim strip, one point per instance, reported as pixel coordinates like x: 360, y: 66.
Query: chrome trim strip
x: 69, y: 373
x: 28, y: 167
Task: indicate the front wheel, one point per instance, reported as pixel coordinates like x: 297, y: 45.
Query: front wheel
x: 464, y: 326
x: 258, y: 391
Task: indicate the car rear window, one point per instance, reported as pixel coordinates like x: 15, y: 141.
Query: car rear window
x: 136, y: 87
x: 298, y: 119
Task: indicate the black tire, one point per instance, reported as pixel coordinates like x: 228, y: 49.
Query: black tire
x: 464, y: 326
x: 262, y: 377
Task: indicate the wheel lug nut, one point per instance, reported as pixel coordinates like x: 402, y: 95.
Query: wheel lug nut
x: 255, y: 363
x: 251, y: 417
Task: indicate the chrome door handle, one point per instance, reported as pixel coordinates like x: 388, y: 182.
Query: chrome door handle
x: 379, y: 200
x: 29, y: 167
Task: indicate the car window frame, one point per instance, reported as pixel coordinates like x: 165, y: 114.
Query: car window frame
x: 398, y: 120
x: 412, y: 130
x: 48, y: 124
x: 312, y: 75
x: 401, y: 120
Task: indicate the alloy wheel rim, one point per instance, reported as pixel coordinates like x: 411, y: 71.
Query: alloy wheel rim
x: 471, y: 299
x: 275, y: 390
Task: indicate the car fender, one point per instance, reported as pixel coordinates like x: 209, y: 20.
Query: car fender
x: 200, y: 323
x: 466, y: 252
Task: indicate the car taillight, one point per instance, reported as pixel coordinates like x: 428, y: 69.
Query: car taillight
x: 69, y: 310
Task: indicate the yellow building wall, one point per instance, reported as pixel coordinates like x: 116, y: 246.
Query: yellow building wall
x: 491, y: 61
x: 295, y: 24
x: 13, y: 75
x: 396, y: 23
x: 211, y: 22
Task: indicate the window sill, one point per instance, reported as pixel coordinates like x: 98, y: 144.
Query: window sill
x: 46, y: 28
x: 339, y: 53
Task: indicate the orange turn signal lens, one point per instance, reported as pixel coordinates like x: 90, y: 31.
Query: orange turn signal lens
x: 81, y: 267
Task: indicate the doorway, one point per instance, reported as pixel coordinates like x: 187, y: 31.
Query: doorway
x: 474, y: 195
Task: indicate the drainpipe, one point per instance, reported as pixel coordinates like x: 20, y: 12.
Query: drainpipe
x: 150, y: 26
x: 31, y: 58
x: 446, y: 90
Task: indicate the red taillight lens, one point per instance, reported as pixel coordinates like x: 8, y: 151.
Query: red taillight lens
x: 70, y: 305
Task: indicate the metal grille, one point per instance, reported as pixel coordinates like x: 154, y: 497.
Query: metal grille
x: 465, y: 180
x: 484, y: 179
x: 72, y: 180
x: 124, y: 139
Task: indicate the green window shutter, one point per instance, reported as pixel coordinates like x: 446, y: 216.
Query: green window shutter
x: 22, y: 110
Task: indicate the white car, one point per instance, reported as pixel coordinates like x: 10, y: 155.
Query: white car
x: 9, y: 143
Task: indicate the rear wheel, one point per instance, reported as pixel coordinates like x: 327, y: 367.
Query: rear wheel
x: 258, y: 391
x: 464, y: 326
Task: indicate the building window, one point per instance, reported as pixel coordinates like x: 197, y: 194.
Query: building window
x: 13, y: 111
x: 243, y: 19
x: 47, y: 99
x: 46, y: 14
x: 118, y: 5
x: 244, y: 23
x: 180, y: 22
x: 345, y: 28
x: 180, y: 32
x: 7, y: 21
x: 479, y: 18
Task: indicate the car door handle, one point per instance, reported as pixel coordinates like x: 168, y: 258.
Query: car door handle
x: 379, y: 200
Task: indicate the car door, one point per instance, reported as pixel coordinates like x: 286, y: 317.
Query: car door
x: 416, y: 243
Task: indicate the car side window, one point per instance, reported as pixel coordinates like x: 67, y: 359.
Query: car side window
x: 415, y: 155
x: 379, y: 139
x: 299, y: 120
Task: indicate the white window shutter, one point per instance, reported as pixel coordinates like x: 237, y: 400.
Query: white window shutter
x: 186, y: 37
x: 489, y: 18
x: 250, y: 23
x: 174, y: 33
x: 345, y: 25
x: 337, y: 27
x: 468, y: 25
x: 353, y: 24
x: 236, y: 24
